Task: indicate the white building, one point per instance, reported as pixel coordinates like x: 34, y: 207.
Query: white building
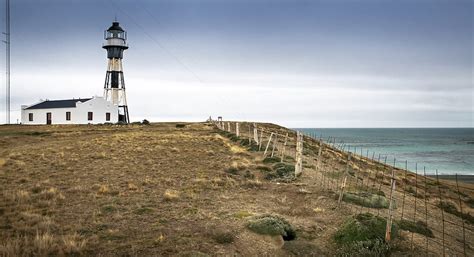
x: 94, y: 110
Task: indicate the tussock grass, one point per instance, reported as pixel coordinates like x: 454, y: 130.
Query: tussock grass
x: 302, y: 248
x: 171, y: 195
x: 73, y: 244
x: 242, y: 214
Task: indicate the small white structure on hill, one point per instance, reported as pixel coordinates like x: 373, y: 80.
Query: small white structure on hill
x: 94, y: 110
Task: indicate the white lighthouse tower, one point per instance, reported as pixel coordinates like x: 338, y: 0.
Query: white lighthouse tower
x: 114, y: 88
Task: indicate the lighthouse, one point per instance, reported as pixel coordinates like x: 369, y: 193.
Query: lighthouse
x: 114, y: 87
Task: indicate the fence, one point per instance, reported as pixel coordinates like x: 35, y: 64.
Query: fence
x: 435, y: 213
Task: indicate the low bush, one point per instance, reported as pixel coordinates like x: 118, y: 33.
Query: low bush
x: 179, y: 125
x: 272, y: 225
x: 418, y: 227
x: 222, y: 236
x: 363, y: 235
x: 452, y: 209
x: 251, y: 146
x: 232, y: 170
x: 271, y: 160
x: 283, y: 172
x: 366, y: 199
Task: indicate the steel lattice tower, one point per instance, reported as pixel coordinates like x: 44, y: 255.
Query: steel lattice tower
x: 114, y: 88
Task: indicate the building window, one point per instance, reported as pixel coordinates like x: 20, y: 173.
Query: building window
x: 68, y: 115
x: 90, y: 115
x: 30, y: 116
x: 107, y: 116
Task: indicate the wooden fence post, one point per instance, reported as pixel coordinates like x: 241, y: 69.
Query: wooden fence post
x: 255, y: 133
x: 299, y: 154
x: 460, y: 207
x: 268, y: 144
x: 261, y: 140
x: 320, y: 150
x: 343, y: 185
x: 228, y: 127
x: 442, y: 211
x: 237, y: 129
x: 284, y: 146
x: 388, y: 229
x: 250, y: 134
x: 275, y: 142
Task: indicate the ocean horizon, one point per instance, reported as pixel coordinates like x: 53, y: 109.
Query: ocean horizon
x: 450, y: 151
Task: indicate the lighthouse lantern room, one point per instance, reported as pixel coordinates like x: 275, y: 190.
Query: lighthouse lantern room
x: 114, y: 87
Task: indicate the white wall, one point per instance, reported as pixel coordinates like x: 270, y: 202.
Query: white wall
x: 98, y: 106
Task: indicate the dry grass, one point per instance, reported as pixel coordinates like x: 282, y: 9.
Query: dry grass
x: 171, y: 195
x: 152, y: 190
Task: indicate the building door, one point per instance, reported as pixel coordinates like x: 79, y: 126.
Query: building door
x: 49, y: 118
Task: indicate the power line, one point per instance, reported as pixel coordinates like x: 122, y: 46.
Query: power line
x: 156, y: 42
x: 170, y: 35
x: 7, y: 60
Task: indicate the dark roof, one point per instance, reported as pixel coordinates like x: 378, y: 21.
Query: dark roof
x: 115, y: 26
x: 50, y: 104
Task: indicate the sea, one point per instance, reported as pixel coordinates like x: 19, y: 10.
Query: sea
x: 448, y: 151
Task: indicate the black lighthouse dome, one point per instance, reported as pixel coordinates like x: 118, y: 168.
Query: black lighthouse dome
x: 116, y: 27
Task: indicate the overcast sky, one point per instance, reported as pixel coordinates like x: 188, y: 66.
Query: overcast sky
x: 366, y: 63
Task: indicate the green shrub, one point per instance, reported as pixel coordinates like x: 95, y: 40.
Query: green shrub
x: 470, y: 202
x: 418, y: 227
x: 363, y: 235
x: 284, y: 169
x: 180, y: 125
x: 451, y: 208
x: 272, y: 225
x: 143, y: 210
x: 249, y: 175
x: 281, y: 172
x: 222, y: 236
x: 271, y: 160
x: 366, y: 199
x: 108, y: 209
x: 362, y: 227
x: 264, y: 168
x: 232, y: 170
x: 145, y: 122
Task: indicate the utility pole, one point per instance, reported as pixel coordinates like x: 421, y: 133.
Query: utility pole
x: 7, y: 58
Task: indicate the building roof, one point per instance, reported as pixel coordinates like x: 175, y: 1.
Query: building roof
x: 51, y: 104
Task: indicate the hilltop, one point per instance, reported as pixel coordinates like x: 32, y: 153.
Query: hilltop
x: 191, y: 189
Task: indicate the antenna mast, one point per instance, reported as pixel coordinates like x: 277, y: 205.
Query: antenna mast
x: 7, y: 44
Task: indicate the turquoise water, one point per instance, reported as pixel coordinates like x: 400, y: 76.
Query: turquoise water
x: 450, y: 150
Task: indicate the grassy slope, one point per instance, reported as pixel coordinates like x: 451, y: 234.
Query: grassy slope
x: 149, y: 190
x: 141, y: 191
